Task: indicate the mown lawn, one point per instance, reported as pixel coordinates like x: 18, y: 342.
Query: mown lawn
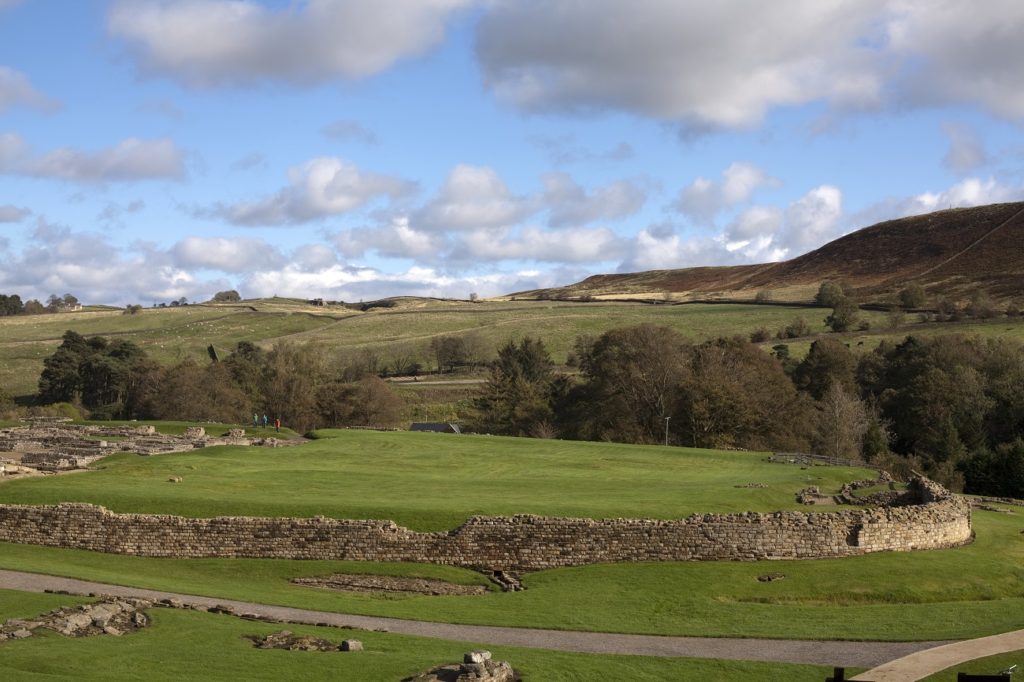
x: 435, y: 481
x: 192, y: 645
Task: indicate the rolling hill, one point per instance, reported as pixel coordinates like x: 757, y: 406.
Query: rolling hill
x: 952, y: 253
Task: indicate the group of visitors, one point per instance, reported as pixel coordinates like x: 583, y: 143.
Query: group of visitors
x: 256, y: 422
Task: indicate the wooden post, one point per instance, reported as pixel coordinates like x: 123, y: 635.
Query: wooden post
x: 838, y: 675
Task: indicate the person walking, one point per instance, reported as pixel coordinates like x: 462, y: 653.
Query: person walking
x: 255, y: 421
x: 277, y: 425
x: 265, y: 420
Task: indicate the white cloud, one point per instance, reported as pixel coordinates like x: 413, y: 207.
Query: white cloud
x: 571, y: 245
x: 130, y: 159
x: 320, y: 187
x: 662, y: 248
x: 570, y: 204
x: 812, y: 220
x: 13, y: 214
x: 235, y: 254
x: 393, y: 239
x: 215, y: 42
x: 473, y: 197
x: 960, y: 52
x: 707, y: 65
x: 972, y: 191
x: 966, y: 152
x: 702, y: 200
x: 16, y: 90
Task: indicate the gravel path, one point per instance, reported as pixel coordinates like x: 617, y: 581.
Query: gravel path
x: 829, y: 653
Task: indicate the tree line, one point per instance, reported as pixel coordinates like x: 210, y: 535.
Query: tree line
x: 11, y: 304
x: 950, y: 406
x: 117, y: 379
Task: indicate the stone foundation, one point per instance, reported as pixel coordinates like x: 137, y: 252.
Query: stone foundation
x: 516, y: 543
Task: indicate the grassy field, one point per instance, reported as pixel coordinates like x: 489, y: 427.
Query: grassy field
x: 412, y: 478
x: 173, y: 334
x: 964, y: 592
x: 200, y: 646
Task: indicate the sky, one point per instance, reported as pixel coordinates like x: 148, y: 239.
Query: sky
x: 355, y: 149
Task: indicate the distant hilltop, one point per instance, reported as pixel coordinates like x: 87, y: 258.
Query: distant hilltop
x: 955, y: 253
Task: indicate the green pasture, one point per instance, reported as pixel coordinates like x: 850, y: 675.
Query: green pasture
x: 194, y: 645
x: 174, y: 334
x: 958, y: 593
x: 429, y: 481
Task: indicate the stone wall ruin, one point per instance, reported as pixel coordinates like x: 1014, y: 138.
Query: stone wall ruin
x: 516, y: 544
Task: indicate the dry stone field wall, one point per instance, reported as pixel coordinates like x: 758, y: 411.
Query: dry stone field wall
x: 936, y: 519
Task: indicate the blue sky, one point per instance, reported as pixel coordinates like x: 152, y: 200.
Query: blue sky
x: 351, y: 149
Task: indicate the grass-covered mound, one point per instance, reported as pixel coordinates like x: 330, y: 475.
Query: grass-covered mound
x: 435, y: 481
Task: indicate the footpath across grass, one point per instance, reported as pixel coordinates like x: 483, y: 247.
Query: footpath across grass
x: 193, y: 645
x: 431, y: 482
x: 898, y: 596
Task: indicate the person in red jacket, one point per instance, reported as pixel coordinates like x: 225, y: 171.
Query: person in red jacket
x: 277, y: 424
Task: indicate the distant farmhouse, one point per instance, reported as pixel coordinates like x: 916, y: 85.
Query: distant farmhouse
x: 317, y: 302
x: 435, y: 427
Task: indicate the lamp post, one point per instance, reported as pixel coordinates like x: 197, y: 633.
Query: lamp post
x: 666, y: 429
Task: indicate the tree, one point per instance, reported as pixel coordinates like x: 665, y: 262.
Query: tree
x: 827, y: 362
x: 519, y: 393
x: 913, y: 296
x: 229, y: 296
x: 844, y: 315
x: 840, y: 424
x: 34, y: 307
x: 830, y: 293
x: 69, y: 301
x: 11, y: 305
x: 795, y: 329
x: 633, y: 376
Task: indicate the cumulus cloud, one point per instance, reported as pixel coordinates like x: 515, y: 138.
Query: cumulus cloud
x: 571, y: 204
x: 216, y: 42
x: 702, y: 200
x: 16, y: 90
x: 130, y: 159
x: 347, y: 129
x: 92, y: 267
x: 473, y: 197
x: 966, y: 152
x: 235, y: 254
x: 714, y: 65
x: 661, y: 247
x: 13, y: 214
x: 572, y: 245
x: 968, y: 192
x: 393, y: 239
x: 320, y: 187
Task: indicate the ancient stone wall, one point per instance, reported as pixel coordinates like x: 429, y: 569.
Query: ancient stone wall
x: 517, y: 543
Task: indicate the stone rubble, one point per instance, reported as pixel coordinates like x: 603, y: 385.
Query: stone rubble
x: 292, y: 642
x: 53, y: 445
x: 110, y: 616
x: 476, y: 666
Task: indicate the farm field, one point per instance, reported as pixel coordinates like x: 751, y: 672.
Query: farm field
x: 174, y: 334
x: 432, y: 482
x: 200, y: 646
